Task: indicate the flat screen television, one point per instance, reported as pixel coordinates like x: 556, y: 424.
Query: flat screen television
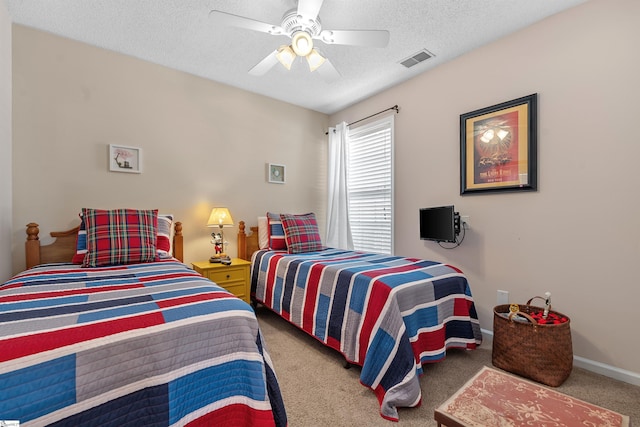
x: 441, y: 224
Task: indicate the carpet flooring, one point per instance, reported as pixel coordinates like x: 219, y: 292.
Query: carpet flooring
x: 318, y: 391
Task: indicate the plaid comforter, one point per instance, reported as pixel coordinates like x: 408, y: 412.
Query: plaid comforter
x: 150, y: 344
x: 385, y: 313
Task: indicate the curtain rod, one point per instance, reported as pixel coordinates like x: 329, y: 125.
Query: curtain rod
x: 395, y: 107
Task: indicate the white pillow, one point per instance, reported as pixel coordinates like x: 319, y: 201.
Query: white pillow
x: 263, y: 232
x: 165, y: 231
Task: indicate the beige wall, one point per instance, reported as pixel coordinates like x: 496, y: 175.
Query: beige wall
x: 5, y: 143
x: 579, y: 235
x: 204, y: 144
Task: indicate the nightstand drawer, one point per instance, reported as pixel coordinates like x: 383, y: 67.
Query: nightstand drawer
x: 227, y: 275
x: 237, y: 288
x: 235, y: 277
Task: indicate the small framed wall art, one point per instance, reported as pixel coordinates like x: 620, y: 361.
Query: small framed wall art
x: 498, y: 147
x: 125, y: 159
x: 276, y: 173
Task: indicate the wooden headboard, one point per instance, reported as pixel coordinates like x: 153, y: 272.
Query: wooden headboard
x: 63, y: 247
x: 247, y: 243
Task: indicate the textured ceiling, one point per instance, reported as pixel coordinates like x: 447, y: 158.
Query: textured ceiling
x: 179, y: 34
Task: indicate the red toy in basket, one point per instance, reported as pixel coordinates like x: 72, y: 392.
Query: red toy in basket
x: 544, y: 317
x: 551, y: 319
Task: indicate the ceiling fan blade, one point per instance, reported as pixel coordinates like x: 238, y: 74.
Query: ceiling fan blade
x: 265, y: 65
x: 224, y: 18
x: 309, y: 8
x: 328, y: 72
x: 372, y: 38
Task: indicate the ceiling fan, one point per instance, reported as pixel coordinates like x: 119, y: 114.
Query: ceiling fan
x: 303, y: 26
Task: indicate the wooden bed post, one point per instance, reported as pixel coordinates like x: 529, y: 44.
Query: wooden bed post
x: 32, y: 245
x: 247, y: 243
x: 242, y: 241
x: 178, y: 250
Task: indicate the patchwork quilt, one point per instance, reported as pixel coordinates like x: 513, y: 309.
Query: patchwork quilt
x: 151, y: 344
x: 385, y: 313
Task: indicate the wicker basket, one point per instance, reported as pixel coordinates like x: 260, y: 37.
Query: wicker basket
x: 540, y: 352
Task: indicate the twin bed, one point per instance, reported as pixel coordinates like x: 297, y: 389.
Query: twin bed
x: 154, y: 343
x: 132, y: 344
x: 387, y: 314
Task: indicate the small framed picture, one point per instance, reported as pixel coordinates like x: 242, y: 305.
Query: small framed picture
x: 276, y: 173
x: 125, y: 159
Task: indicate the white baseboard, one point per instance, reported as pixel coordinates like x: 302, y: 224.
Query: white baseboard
x: 588, y: 364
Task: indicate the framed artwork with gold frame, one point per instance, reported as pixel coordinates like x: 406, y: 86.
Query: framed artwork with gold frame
x: 498, y: 147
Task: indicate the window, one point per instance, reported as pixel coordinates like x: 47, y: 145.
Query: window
x: 370, y: 185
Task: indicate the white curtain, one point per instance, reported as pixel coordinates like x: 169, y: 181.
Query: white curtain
x: 338, y: 228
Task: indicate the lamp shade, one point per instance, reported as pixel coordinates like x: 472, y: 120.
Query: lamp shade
x: 315, y: 60
x: 220, y: 217
x: 286, y: 56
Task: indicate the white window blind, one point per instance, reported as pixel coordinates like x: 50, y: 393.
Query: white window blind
x: 370, y: 185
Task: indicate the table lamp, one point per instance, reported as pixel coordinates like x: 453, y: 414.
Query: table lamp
x: 220, y: 217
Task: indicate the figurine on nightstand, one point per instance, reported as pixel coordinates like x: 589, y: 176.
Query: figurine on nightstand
x: 216, y: 240
x: 220, y: 256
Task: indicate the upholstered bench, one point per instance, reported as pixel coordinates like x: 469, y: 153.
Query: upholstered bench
x: 495, y: 398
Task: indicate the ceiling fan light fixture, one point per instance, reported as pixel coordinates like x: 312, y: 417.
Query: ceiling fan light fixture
x: 315, y: 60
x: 302, y: 43
x: 286, y: 56
x: 302, y: 24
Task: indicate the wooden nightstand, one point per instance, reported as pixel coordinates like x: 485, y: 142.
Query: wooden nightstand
x: 234, y: 278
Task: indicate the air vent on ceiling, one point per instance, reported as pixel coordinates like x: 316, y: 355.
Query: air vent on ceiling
x: 417, y: 58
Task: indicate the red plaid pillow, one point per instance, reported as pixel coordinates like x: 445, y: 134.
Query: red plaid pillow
x: 301, y: 233
x: 120, y: 236
x: 164, y: 242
